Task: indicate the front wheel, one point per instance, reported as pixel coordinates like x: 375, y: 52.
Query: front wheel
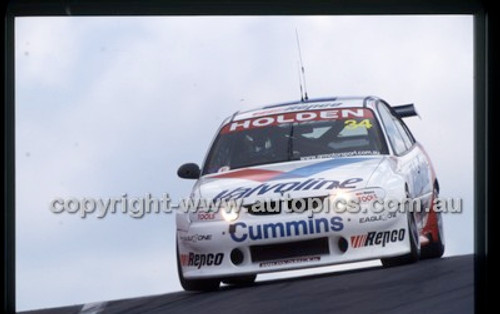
x: 195, y: 284
x: 435, y: 249
x: 414, y: 254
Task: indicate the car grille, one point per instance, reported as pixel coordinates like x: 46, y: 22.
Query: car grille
x: 271, y: 252
x: 276, y: 207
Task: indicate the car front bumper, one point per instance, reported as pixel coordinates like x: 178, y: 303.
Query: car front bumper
x: 259, y: 244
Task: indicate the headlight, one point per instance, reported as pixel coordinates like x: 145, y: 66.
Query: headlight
x: 342, y: 201
x: 226, y: 210
x: 229, y: 214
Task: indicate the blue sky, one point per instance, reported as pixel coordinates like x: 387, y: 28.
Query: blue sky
x: 106, y: 106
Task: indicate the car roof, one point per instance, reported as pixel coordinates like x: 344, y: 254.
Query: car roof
x: 310, y: 104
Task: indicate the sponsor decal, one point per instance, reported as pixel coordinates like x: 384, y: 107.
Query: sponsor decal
x: 206, y: 216
x: 292, y: 117
x: 200, y: 260
x: 376, y: 238
x: 342, y: 155
x: 313, y: 106
x: 284, y: 187
x: 298, y: 107
x: 196, y: 237
x: 264, y: 175
x: 376, y: 218
x: 366, y: 196
x: 241, y: 231
x: 297, y: 260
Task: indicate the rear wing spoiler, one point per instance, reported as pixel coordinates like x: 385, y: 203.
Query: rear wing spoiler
x: 405, y: 111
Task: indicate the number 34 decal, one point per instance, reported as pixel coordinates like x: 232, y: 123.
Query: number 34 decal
x: 353, y: 124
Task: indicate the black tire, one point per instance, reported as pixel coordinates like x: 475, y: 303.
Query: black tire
x: 240, y: 281
x: 414, y: 254
x: 195, y: 284
x: 435, y: 249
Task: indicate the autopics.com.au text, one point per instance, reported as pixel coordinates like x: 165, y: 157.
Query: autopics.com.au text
x: 138, y: 207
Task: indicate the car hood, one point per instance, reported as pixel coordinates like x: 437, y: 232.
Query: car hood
x: 303, y: 178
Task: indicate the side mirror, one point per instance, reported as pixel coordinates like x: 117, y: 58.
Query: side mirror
x: 189, y: 171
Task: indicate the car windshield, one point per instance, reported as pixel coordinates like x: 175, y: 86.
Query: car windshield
x: 295, y: 136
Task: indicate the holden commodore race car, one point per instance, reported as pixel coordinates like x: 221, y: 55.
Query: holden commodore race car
x: 269, y: 174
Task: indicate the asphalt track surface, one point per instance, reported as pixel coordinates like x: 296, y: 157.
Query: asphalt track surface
x: 430, y: 286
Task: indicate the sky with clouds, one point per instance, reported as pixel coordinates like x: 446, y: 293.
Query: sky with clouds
x: 113, y: 105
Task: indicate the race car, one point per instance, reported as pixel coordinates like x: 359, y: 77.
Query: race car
x: 307, y: 184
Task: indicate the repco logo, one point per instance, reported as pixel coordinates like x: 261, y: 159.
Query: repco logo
x: 200, y: 260
x: 378, y: 238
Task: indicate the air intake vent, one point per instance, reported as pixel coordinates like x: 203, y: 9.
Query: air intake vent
x: 297, y: 205
x: 270, y: 252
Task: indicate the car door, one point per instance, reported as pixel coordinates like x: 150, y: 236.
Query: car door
x: 423, y: 175
x: 402, y: 148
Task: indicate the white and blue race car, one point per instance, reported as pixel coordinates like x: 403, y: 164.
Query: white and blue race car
x: 260, y: 198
